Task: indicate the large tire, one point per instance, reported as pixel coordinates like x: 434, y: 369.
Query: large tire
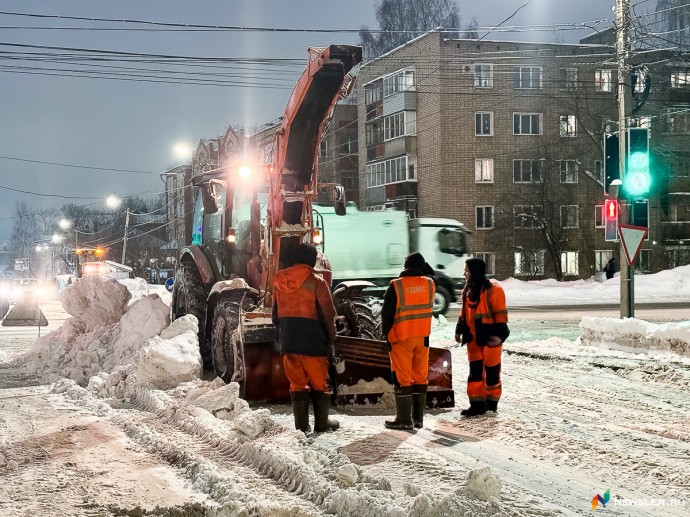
x: 228, y: 355
x: 363, y: 316
x: 441, y: 301
x: 190, y: 296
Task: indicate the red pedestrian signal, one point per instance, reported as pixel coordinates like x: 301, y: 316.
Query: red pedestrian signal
x: 611, y: 217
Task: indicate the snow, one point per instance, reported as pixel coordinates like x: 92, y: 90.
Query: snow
x: 118, y: 345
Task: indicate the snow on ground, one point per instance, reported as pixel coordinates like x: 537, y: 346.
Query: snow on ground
x: 576, y: 419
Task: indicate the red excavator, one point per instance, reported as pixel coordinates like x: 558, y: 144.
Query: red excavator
x: 247, y: 221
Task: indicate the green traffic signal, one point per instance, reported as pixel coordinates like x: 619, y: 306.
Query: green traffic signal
x: 637, y: 180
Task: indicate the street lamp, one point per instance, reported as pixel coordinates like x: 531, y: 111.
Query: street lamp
x: 112, y: 201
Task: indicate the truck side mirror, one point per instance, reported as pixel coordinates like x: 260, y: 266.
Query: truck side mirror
x: 208, y: 196
x: 339, y: 201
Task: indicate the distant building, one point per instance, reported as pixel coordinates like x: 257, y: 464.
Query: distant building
x: 507, y: 138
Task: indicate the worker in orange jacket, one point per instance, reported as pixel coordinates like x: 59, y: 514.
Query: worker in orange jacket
x: 406, y: 322
x: 304, y: 314
x: 483, y: 326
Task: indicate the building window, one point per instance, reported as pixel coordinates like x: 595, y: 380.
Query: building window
x: 529, y: 263
x: 568, y: 125
x: 373, y: 92
x: 398, y: 82
x: 680, y: 77
x: 489, y: 259
x: 527, y: 217
x: 643, y: 264
x: 483, y: 75
x: 679, y: 164
x: 599, y: 170
x: 675, y: 119
x: 323, y: 148
x: 599, y: 220
x: 568, y: 78
x: 484, y: 123
x: 568, y: 171
x: 399, y: 124
x: 527, y: 123
x: 569, y: 264
x: 603, y: 80
x: 348, y: 145
x: 386, y: 172
x: 526, y: 77
x: 570, y: 216
x: 601, y: 257
x: 679, y: 257
x: 485, y: 217
x: 484, y: 170
x: 374, y: 133
x: 526, y: 171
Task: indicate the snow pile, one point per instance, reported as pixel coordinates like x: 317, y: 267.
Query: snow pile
x: 110, y: 345
x: 484, y: 485
x: 3, y: 357
x: 138, y: 287
x: 675, y: 282
x: 637, y: 336
x: 221, y: 400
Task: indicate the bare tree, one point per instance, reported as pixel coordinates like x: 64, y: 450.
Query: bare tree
x: 402, y: 20
x: 45, y: 218
x: 25, y: 232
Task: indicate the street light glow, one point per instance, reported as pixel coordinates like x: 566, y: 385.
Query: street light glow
x: 245, y: 171
x: 65, y: 224
x: 113, y: 201
x: 182, y: 151
x: 57, y: 238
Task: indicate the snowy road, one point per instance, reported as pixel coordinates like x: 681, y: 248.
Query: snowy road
x: 574, y: 422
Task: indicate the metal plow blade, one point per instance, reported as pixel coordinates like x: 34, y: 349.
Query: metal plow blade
x: 364, y: 365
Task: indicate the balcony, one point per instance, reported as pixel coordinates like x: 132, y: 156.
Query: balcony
x: 398, y: 146
x: 401, y: 101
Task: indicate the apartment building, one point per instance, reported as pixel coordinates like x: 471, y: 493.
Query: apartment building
x: 505, y: 137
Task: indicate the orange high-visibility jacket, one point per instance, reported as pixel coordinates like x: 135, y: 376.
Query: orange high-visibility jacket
x: 413, y: 311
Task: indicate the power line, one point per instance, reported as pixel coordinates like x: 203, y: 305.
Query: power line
x: 73, y: 166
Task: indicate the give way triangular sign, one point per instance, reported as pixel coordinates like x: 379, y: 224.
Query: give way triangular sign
x: 632, y: 237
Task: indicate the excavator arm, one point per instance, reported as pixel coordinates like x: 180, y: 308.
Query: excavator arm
x: 293, y: 175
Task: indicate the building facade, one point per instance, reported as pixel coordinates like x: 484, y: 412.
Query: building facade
x: 505, y: 137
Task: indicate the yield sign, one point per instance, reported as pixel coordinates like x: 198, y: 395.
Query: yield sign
x: 632, y: 237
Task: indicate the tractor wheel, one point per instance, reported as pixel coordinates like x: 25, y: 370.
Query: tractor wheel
x: 441, y: 301
x: 363, y: 316
x: 228, y: 355
x: 190, y: 296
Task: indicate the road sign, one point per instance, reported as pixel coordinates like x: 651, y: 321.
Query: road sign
x: 25, y: 315
x: 169, y: 284
x: 632, y: 238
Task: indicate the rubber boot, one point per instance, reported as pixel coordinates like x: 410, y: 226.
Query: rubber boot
x: 322, y: 405
x: 475, y: 409
x: 418, y: 404
x: 492, y: 405
x: 300, y: 409
x: 403, y: 409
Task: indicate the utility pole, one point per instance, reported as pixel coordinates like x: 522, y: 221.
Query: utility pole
x: 124, y: 242
x: 624, y: 111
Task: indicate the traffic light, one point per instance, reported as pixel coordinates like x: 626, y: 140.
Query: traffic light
x: 611, y: 220
x: 611, y: 160
x: 637, y: 180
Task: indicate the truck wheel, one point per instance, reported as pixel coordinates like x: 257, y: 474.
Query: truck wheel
x: 189, y: 297
x: 363, y: 315
x: 441, y: 301
x: 228, y: 356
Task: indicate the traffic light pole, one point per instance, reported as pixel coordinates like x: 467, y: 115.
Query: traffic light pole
x: 624, y: 112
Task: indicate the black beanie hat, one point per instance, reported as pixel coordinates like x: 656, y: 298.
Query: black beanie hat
x: 305, y: 254
x: 414, y: 261
x: 477, y: 269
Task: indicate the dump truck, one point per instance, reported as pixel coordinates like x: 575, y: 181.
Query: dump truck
x: 247, y: 220
x: 372, y: 245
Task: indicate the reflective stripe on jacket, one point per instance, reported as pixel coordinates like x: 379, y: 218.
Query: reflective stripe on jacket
x: 413, y: 312
x: 492, y: 308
